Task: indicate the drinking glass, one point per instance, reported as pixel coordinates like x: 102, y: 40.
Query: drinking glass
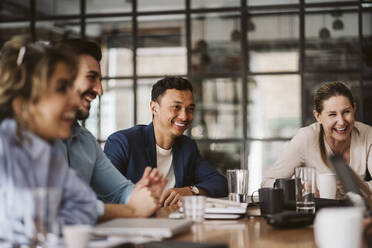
x: 238, y: 185
x: 41, y: 218
x: 193, y: 207
x: 12, y: 230
x: 305, y: 189
x: 29, y: 216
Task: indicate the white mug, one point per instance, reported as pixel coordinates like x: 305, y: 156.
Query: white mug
x: 327, y: 185
x: 338, y: 227
x: 77, y: 236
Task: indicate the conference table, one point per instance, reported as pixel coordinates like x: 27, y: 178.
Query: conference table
x: 247, y: 232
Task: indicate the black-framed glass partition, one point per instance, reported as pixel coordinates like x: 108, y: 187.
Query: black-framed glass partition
x: 254, y: 64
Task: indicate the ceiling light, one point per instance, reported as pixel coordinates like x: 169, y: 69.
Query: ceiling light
x: 251, y: 26
x: 324, y: 33
x: 338, y: 25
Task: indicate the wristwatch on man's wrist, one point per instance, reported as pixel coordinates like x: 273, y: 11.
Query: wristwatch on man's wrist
x: 194, y: 190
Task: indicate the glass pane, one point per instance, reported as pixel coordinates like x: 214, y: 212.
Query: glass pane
x: 367, y: 67
x: 261, y: 155
x: 218, y: 112
x: 331, y: 40
x: 161, y: 45
x: 313, y: 81
x: 367, y: 100
x: 221, y: 156
x: 271, y: 2
x: 196, y: 4
x: 144, y: 86
x: 322, y: 1
x: 108, y: 6
x: 13, y: 9
x: 115, y: 37
x: 215, y: 43
x: 154, y: 5
x: 8, y: 30
x: 57, y: 30
x: 274, y: 106
x: 367, y: 44
x: 367, y: 23
x: 57, y: 7
x: 273, y: 43
x: 116, y: 107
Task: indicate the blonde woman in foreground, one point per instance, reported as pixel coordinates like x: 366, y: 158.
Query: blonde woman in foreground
x: 37, y: 106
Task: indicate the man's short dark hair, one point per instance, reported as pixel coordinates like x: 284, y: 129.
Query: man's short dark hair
x: 167, y: 83
x: 81, y: 47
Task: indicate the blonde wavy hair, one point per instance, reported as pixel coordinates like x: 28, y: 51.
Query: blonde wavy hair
x: 25, y: 71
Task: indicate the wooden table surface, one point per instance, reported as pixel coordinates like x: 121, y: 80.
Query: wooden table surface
x: 249, y: 232
x: 246, y: 232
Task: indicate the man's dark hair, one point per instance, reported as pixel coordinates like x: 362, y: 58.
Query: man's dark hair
x: 81, y: 46
x: 166, y: 83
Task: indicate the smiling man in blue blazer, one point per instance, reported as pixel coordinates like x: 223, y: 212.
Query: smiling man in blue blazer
x: 162, y: 145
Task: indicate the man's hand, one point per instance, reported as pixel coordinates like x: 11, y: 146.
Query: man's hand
x: 143, y: 201
x: 153, y: 179
x: 173, y: 196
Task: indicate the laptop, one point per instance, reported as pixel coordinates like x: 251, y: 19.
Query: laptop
x: 355, y: 189
x: 154, y: 227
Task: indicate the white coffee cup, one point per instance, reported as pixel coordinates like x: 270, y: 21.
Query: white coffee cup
x: 338, y: 227
x: 327, y: 185
x: 77, y: 236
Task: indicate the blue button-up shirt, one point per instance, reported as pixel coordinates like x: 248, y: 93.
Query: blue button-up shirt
x: 86, y: 157
x: 34, y: 163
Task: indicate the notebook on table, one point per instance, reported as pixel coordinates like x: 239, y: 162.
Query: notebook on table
x: 180, y: 215
x: 224, y: 206
x: 218, y: 208
x: 156, y: 227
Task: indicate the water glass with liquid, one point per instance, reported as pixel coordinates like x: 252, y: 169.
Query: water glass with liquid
x: 41, y: 216
x: 305, y: 189
x: 238, y: 185
x: 29, y: 217
x: 194, y: 207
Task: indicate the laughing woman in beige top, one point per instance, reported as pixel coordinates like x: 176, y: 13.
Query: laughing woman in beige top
x: 335, y: 132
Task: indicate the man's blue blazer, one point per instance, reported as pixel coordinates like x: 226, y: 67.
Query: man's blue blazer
x: 133, y: 149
